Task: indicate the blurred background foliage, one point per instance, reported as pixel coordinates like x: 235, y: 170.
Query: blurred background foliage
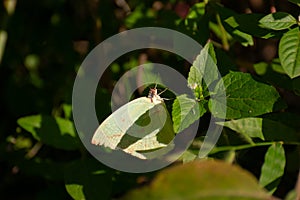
x: 42, y: 44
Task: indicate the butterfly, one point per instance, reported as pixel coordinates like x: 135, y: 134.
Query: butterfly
x: 142, y: 124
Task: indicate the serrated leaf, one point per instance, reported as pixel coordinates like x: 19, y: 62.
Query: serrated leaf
x: 289, y: 52
x: 84, y: 179
x: 204, y: 65
x: 186, y: 111
x: 278, y: 21
x: 263, y: 128
x: 247, y: 97
x: 194, y: 78
x: 53, y: 131
x: 211, y: 180
x: 273, y: 167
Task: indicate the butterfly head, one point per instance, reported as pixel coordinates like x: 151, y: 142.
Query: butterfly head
x: 154, y: 97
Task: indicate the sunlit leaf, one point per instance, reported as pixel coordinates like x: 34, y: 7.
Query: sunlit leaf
x: 54, y: 131
x: 204, y: 67
x: 185, y: 112
x: 244, y: 38
x: 278, y: 21
x: 263, y: 128
x: 249, y: 23
x: 211, y: 180
x: 247, y: 97
x: 273, y: 167
x: 289, y: 52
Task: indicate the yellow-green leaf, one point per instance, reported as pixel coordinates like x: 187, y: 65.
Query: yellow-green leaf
x: 205, y: 180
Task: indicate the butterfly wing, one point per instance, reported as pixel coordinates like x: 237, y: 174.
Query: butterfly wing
x: 135, y: 126
x: 161, y: 135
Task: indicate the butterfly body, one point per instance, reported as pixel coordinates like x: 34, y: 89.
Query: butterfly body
x: 153, y: 96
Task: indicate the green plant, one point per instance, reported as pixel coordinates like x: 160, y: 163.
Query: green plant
x: 261, y: 132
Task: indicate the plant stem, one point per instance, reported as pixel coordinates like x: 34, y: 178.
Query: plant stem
x: 223, y: 33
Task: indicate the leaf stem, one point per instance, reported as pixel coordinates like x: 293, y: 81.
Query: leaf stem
x: 247, y: 146
x: 34, y: 150
x: 223, y: 33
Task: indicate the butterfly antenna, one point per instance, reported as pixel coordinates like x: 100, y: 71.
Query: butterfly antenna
x: 163, y: 91
x: 168, y: 99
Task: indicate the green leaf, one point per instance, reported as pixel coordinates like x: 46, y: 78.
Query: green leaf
x: 273, y: 167
x: 247, y: 97
x: 261, y: 68
x: 195, y: 24
x: 141, y: 16
x: 292, y: 195
x: 278, y: 21
x: 205, y: 180
x: 53, y: 131
x: 249, y: 127
x: 289, y: 52
x: 185, y: 112
x: 276, y: 66
x: 196, y: 11
x: 20, y: 142
x: 194, y: 78
x: 263, y: 128
x: 188, y: 156
x: 274, y: 74
x: 67, y: 108
x: 244, y: 38
x: 84, y: 179
x: 240, y: 36
x: 204, y: 64
x: 249, y: 23
x: 295, y: 2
